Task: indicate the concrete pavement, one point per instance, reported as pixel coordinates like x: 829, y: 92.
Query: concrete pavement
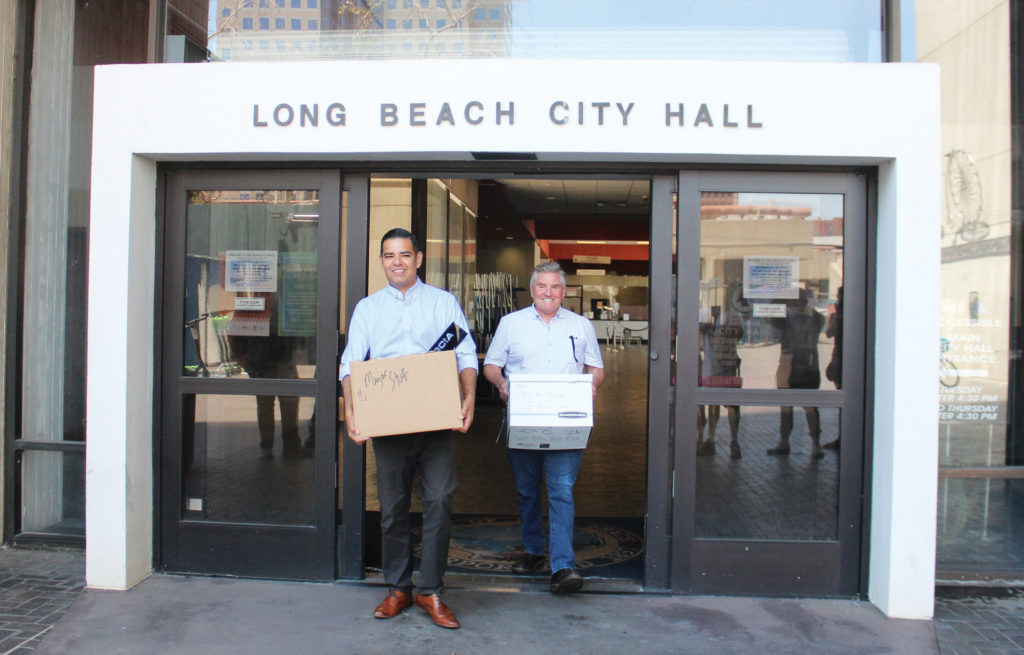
x: 178, y: 614
x: 173, y: 614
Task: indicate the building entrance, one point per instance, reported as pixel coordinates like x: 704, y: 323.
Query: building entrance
x: 728, y: 444
x: 483, y: 237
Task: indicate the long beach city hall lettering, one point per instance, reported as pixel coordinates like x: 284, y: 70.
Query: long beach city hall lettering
x: 503, y: 113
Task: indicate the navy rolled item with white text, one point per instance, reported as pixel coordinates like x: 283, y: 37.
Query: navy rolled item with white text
x: 449, y: 339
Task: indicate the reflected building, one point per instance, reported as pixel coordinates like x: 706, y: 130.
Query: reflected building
x: 332, y: 29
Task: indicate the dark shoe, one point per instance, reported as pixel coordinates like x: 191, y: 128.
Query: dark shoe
x: 706, y: 449
x: 266, y: 453
x: 296, y: 452
x: 831, y: 445
x: 781, y: 449
x: 310, y: 441
x: 437, y: 610
x: 393, y: 604
x: 528, y: 563
x: 734, y: 450
x: 566, y: 581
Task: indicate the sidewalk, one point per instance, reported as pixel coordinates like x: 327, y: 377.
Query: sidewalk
x: 178, y: 614
x: 172, y: 614
x: 36, y: 588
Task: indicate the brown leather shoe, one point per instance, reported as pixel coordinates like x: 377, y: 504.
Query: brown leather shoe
x: 438, y: 611
x: 393, y: 604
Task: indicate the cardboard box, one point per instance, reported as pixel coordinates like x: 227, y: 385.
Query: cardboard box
x: 399, y: 395
x: 550, y: 412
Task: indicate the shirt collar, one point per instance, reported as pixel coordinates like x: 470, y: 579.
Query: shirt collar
x: 413, y: 290
x: 536, y: 314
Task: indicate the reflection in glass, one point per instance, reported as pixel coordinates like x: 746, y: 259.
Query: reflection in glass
x: 230, y: 472
x: 791, y: 496
x: 469, y: 267
x: 435, y: 261
x: 771, y: 290
x: 51, y: 492
x: 250, y: 283
x: 986, y: 512
x: 455, y: 234
x: 808, y: 30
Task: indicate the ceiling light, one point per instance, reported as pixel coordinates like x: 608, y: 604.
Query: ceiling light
x: 599, y: 204
x: 593, y: 243
x: 551, y: 198
x: 509, y: 238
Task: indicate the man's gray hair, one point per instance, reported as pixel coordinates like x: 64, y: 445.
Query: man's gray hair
x: 548, y: 267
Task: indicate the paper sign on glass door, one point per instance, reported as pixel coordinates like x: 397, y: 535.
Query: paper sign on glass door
x: 250, y: 270
x: 771, y: 276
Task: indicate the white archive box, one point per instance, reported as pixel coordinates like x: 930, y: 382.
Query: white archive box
x: 550, y: 411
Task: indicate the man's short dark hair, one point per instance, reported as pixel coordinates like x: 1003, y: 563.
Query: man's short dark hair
x: 399, y: 233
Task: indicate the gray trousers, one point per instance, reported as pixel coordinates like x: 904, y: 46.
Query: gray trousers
x: 398, y: 459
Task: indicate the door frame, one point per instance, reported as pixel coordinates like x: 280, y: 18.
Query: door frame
x: 796, y: 567
x: 672, y: 553
x: 245, y: 549
x: 657, y: 508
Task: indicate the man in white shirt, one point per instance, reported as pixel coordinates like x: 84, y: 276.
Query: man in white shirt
x: 406, y: 318
x: 545, y: 338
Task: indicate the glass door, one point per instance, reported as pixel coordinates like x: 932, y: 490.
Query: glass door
x: 249, y: 337
x: 769, y: 415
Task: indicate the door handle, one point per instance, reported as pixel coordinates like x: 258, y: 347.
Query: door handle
x: 653, y: 356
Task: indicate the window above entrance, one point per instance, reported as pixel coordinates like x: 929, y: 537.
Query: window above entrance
x: 801, y: 30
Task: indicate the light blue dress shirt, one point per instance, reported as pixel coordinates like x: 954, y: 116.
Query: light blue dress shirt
x: 524, y: 343
x: 390, y: 324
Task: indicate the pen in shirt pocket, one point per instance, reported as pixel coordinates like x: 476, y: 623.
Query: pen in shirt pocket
x: 572, y: 342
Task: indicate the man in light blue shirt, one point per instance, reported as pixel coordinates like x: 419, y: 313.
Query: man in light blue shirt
x: 545, y: 338
x: 406, y: 318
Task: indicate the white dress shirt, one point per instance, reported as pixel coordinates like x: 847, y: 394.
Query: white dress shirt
x: 524, y: 343
x: 390, y: 324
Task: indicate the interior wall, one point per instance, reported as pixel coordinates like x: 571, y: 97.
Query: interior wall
x: 390, y: 207
x: 515, y: 256
x: 629, y: 291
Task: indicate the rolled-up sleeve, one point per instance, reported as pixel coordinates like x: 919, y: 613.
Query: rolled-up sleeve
x: 497, y: 353
x: 357, y: 341
x: 592, y: 351
x: 465, y: 352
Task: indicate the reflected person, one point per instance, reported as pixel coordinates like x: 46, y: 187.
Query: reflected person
x: 545, y: 338
x: 272, y: 356
x: 405, y: 318
x: 798, y: 368
x: 720, y: 367
x: 834, y: 370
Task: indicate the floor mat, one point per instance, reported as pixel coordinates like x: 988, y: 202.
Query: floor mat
x: 605, y: 547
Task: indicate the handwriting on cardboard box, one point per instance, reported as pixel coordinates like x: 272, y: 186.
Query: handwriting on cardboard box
x: 383, y: 381
x: 407, y: 394
x: 550, y: 399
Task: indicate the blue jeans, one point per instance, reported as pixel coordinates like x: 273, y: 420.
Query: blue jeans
x: 559, y: 468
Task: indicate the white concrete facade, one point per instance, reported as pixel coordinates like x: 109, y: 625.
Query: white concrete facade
x: 882, y: 115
